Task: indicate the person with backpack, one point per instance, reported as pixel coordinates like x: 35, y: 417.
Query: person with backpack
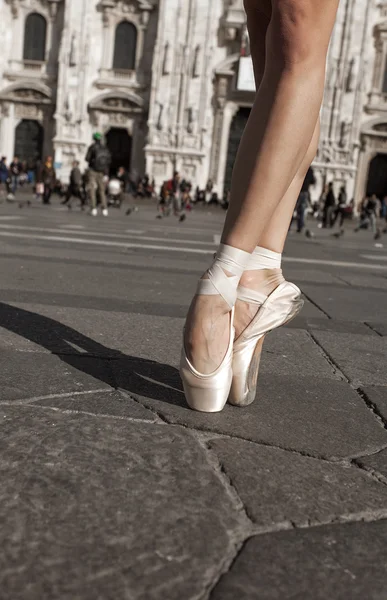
x: 99, y: 159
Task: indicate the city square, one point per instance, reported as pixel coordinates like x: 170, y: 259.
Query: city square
x: 152, y: 156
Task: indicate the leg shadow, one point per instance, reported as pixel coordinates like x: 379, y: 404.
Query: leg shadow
x: 135, y: 375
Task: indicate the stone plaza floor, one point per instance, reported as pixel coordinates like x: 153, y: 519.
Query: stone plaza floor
x: 112, y: 489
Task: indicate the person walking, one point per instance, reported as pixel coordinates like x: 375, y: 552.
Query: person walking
x: 372, y: 211
x: 47, y: 177
x: 75, y: 187
x: 244, y: 291
x: 15, y: 170
x: 4, y: 177
x: 99, y: 159
x: 341, y: 207
x: 329, y: 207
x: 304, y: 199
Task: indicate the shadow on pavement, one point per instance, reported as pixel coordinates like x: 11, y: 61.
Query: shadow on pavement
x: 135, y: 375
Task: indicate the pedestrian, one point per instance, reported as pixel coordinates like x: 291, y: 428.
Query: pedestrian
x: 329, y: 206
x: 75, y: 187
x: 208, y: 190
x: 303, y: 199
x: 98, y: 158
x: 174, y: 191
x: 341, y: 207
x: 4, y: 177
x: 372, y: 211
x: 15, y: 170
x: 47, y: 178
x: 223, y: 339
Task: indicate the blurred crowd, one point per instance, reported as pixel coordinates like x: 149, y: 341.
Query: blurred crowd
x: 99, y: 186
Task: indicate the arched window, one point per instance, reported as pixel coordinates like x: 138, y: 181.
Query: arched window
x: 125, y: 47
x: 35, y: 37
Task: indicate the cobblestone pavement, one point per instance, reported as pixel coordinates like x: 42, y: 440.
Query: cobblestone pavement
x: 113, y: 489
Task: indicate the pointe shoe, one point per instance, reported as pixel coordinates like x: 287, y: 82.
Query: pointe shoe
x: 209, y: 392
x: 279, y: 309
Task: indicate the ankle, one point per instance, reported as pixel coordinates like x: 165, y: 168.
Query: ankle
x: 257, y: 278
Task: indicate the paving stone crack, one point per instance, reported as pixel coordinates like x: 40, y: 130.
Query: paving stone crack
x: 372, y: 407
x: 333, y: 365
x: 316, y: 305
x: 372, y: 473
x: 373, y: 329
x: 69, y: 411
x: 143, y: 405
x: 55, y: 396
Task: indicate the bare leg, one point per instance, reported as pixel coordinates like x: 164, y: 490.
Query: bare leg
x: 273, y: 147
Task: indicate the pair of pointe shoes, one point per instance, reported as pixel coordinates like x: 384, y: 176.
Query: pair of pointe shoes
x: 236, y: 378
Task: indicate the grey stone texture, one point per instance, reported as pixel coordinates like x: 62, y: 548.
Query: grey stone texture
x: 28, y: 375
x: 281, y: 355
x: 319, y: 416
x: 345, y: 303
x: 114, y: 404
x: 95, y: 508
x: 112, y: 489
x: 361, y: 358
x: 59, y: 330
x: 279, y: 487
x: 335, y: 562
x: 377, y: 397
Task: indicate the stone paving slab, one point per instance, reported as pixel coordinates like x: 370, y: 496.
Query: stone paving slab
x: 380, y: 328
x: 310, y: 311
x: 113, y: 404
x: 98, y: 508
x: 376, y: 462
x: 347, y: 303
x: 29, y: 375
x: 277, y: 486
x: 335, y: 562
x: 365, y: 281
x: 301, y: 275
x: 319, y: 416
x: 289, y: 351
x: 40, y: 328
x: 378, y: 397
x: 361, y: 358
x: 335, y: 326
x: 98, y: 282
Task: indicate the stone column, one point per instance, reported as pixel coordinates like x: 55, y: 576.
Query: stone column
x: 107, y: 37
x: 365, y: 157
x: 7, y: 131
x: 228, y: 114
x: 222, y: 84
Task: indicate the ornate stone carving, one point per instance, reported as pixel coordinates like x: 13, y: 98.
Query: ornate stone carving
x: 5, y: 109
x: 159, y: 124
x: 167, y: 59
x: 73, y: 55
x: 380, y: 127
x: 345, y: 128
x: 29, y: 95
x: 197, y: 63
x: 349, y: 79
x: 28, y: 111
x: 118, y: 118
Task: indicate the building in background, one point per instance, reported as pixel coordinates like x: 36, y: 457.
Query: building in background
x: 169, y: 83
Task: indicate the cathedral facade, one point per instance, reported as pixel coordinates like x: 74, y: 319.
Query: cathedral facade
x: 169, y: 84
